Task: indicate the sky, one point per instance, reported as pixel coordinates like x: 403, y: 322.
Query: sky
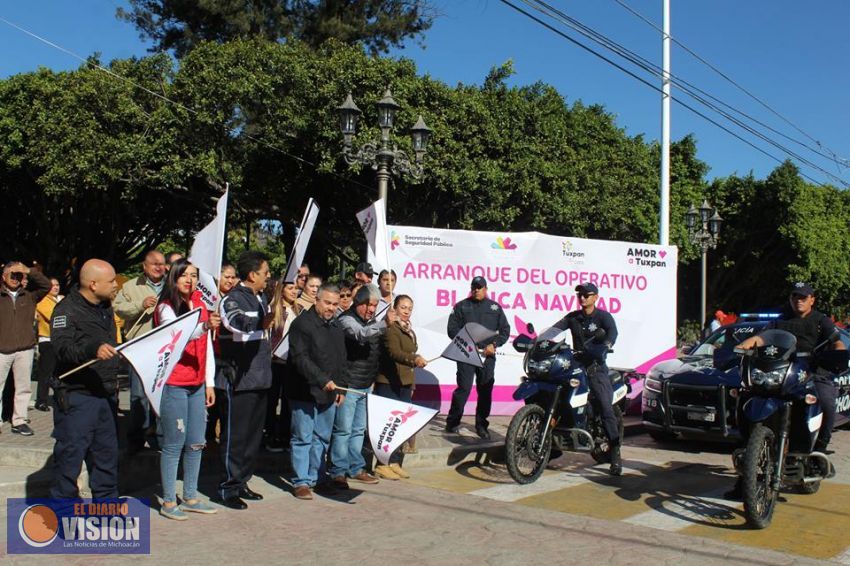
x: 792, y: 55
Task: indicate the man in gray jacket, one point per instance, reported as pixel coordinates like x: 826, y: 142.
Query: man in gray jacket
x: 363, y: 336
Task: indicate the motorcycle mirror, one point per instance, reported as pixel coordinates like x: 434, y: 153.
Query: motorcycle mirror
x: 530, y: 327
x: 523, y: 343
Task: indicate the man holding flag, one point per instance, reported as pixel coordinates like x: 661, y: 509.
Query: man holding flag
x: 479, y: 309
x: 84, y: 418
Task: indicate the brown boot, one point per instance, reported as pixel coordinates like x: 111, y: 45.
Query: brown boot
x: 386, y: 472
x: 399, y: 471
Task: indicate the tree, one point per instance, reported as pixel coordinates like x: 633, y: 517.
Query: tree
x: 179, y: 25
x: 93, y: 167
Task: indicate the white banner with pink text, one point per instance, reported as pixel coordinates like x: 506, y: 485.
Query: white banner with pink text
x: 533, y: 278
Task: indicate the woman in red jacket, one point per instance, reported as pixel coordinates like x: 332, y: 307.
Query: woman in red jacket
x: 187, y: 393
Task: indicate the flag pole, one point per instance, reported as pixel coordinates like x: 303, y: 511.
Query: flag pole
x: 138, y: 320
x: 338, y: 388
x: 78, y: 368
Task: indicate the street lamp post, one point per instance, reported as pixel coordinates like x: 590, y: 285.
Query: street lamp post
x: 704, y: 225
x: 383, y: 156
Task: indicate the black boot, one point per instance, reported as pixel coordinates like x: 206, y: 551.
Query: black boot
x: 737, y: 492
x: 820, y: 446
x: 616, y: 468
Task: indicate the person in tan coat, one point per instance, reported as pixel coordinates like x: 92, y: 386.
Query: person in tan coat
x: 396, y: 376
x: 135, y: 304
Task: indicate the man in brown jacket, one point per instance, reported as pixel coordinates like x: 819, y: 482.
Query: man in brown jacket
x: 20, y: 292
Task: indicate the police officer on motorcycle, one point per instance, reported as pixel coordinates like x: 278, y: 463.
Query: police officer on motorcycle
x: 811, y: 328
x: 587, y: 324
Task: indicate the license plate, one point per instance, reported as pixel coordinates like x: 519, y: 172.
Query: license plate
x: 707, y: 417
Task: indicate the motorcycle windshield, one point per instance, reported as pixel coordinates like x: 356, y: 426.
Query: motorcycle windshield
x: 549, y: 341
x: 777, y: 342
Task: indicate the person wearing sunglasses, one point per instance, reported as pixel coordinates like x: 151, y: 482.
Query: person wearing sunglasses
x: 586, y: 322
x: 346, y: 296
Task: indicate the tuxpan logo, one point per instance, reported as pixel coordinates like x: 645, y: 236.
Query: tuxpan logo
x: 646, y: 257
x: 395, y: 420
x: 81, y: 526
x: 569, y: 251
x: 503, y: 244
x: 395, y: 240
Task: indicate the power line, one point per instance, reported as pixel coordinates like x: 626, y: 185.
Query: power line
x: 650, y: 67
x: 834, y: 156
x: 645, y: 82
x: 174, y: 102
x: 654, y: 70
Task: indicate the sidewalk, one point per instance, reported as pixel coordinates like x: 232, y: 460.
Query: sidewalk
x: 26, y: 461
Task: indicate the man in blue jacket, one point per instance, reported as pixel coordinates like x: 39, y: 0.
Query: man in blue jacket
x: 244, y: 379
x: 477, y: 308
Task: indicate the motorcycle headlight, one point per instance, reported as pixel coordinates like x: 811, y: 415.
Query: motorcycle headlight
x: 767, y: 378
x: 540, y: 367
x: 652, y: 384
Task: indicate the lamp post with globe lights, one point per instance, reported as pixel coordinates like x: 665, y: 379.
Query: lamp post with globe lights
x: 704, y: 225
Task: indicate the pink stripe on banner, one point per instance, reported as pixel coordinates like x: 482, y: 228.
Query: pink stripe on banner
x: 666, y: 355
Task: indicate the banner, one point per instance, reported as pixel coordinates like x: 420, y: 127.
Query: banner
x: 299, y: 249
x: 532, y: 276
x: 154, y: 355
x: 392, y: 422
x: 463, y: 347
x: 373, y: 221
x: 207, y: 253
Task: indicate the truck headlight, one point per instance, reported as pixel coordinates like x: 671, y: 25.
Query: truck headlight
x: 652, y: 384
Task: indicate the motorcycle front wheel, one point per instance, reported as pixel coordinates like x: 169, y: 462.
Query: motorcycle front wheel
x: 759, y: 467
x: 526, y: 451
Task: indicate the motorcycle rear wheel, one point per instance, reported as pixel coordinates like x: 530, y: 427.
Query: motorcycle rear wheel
x: 597, y: 430
x: 526, y: 453
x: 757, y: 476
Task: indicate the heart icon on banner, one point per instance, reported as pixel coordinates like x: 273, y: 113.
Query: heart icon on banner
x: 663, y: 254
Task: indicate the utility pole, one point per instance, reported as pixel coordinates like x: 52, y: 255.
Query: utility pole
x: 664, y: 210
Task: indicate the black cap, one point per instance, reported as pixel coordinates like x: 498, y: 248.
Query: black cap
x: 803, y: 289
x: 365, y: 268
x: 587, y: 288
x: 478, y: 283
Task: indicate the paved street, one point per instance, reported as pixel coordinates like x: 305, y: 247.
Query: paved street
x: 675, y: 487
x: 666, y: 508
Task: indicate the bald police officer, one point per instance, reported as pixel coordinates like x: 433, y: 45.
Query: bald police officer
x: 477, y: 308
x: 84, y: 422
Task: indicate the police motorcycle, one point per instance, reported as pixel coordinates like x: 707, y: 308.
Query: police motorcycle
x: 780, y: 409
x: 558, y: 414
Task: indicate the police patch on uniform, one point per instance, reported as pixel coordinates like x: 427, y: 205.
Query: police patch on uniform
x: 494, y: 307
x: 60, y: 321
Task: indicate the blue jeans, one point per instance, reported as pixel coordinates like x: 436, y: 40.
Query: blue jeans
x: 347, y: 439
x: 183, y: 418
x: 311, y: 433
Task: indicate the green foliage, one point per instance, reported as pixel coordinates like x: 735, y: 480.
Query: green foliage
x: 180, y: 26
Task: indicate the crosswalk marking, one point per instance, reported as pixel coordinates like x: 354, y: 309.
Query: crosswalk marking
x: 679, y: 513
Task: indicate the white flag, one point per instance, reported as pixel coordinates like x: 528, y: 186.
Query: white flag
x: 373, y: 221
x: 155, y: 354
x: 392, y: 422
x: 207, y: 253
x: 281, y: 350
x: 299, y: 249
x: 463, y: 346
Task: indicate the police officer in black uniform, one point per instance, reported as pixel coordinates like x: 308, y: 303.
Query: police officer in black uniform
x: 477, y: 308
x: 811, y: 328
x: 585, y: 324
x: 84, y: 419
